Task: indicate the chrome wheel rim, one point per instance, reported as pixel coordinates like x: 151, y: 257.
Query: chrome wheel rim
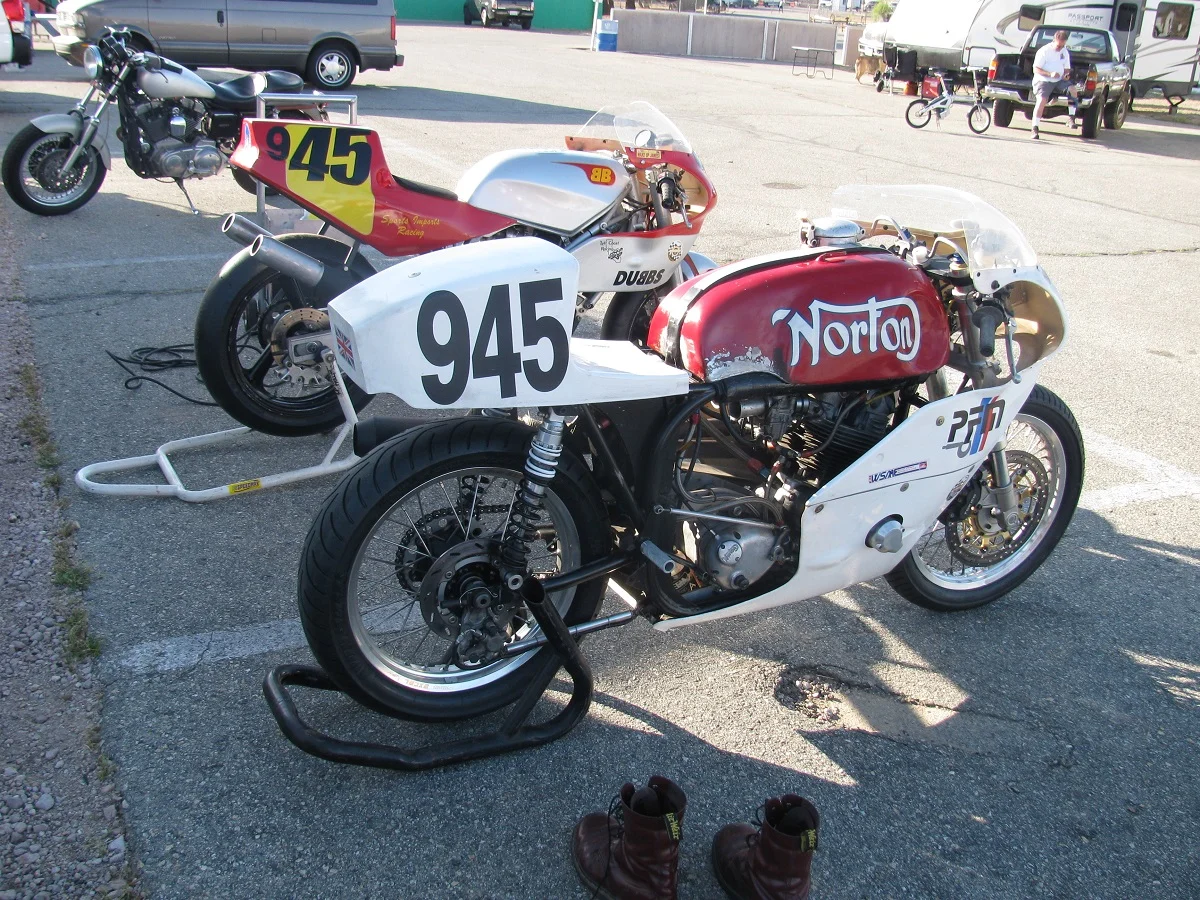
x: 39, y: 171
x: 417, y: 531
x: 1028, y: 437
x: 332, y: 67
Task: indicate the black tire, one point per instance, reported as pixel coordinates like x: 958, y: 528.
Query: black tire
x: 249, y: 183
x: 1092, y: 117
x: 220, y: 319
x: 344, y: 525
x: 467, y: 17
x: 1002, y: 113
x: 918, y: 115
x: 628, y: 316
x: 912, y: 582
x: 879, y: 86
x: 1114, y: 113
x: 331, y: 66
x: 526, y: 24
x: 979, y: 119
x: 31, y: 143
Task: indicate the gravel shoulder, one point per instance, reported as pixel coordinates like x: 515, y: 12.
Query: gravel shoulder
x: 62, y: 830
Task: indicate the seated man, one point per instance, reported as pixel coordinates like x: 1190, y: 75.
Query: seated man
x: 1052, y: 77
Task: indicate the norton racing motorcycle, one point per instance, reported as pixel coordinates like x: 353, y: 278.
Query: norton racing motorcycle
x: 865, y: 406
x: 627, y: 199
x: 174, y: 124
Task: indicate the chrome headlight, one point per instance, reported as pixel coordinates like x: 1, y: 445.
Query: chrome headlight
x: 93, y: 62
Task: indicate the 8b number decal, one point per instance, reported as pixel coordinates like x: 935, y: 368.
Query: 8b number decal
x: 473, y: 363
x: 311, y: 154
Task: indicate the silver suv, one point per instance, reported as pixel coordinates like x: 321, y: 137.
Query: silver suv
x: 325, y: 40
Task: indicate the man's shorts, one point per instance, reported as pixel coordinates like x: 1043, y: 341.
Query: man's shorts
x: 1049, y: 89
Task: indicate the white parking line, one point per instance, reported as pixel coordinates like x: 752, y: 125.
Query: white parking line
x: 1162, y: 481
x: 128, y: 261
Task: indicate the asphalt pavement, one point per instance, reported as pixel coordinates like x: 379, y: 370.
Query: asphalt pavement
x: 1045, y: 745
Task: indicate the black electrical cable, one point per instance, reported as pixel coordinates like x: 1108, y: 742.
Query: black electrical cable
x: 158, y: 359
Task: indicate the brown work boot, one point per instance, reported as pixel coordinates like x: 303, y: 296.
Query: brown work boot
x: 772, y: 861
x: 634, y: 854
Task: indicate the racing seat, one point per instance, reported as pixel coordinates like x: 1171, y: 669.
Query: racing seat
x: 429, y: 189
x: 239, y: 93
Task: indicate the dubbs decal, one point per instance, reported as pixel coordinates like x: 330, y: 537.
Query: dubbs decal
x: 876, y: 326
x: 969, y: 429
x: 646, y: 276
x: 888, y: 474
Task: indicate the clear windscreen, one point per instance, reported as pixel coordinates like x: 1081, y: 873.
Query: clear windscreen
x: 637, y: 124
x: 991, y: 240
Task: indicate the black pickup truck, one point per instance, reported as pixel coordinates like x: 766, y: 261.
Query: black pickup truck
x: 1096, y: 66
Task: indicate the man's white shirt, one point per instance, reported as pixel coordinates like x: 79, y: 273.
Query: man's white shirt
x: 1052, y: 60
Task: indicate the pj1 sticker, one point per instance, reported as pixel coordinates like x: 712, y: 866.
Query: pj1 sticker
x: 969, y: 429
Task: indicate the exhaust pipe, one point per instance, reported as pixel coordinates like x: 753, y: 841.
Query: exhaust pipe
x: 325, y: 281
x: 370, y: 433
x: 289, y: 261
x: 242, y: 230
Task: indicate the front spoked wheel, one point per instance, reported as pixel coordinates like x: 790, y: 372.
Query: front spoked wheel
x: 969, y: 557
x: 400, y: 592
x: 919, y: 113
x: 979, y: 119
x: 35, y: 177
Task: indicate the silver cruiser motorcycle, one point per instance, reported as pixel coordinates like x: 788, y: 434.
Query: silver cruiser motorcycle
x: 174, y: 124
x: 865, y: 406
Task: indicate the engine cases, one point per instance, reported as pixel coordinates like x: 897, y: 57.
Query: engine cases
x: 559, y: 190
x: 818, y: 317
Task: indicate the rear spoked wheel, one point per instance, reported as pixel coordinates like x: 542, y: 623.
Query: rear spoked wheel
x: 919, y: 113
x: 969, y: 557
x: 401, y: 595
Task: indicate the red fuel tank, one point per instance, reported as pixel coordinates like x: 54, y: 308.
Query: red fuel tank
x: 819, y: 317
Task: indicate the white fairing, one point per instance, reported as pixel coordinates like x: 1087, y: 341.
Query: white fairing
x: 911, y: 475
x: 164, y: 85
x: 560, y: 190
x: 425, y: 328
x: 629, y: 263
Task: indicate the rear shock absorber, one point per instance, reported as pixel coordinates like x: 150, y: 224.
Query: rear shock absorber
x: 540, y: 466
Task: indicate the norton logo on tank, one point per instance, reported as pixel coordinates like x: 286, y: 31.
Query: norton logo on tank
x: 835, y: 329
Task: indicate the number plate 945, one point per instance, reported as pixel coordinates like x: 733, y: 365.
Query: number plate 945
x: 486, y: 324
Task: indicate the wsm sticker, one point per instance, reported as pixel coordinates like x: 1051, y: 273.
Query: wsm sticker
x: 888, y: 474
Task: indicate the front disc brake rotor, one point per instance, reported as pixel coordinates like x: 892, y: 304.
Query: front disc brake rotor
x: 976, y: 535
x: 292, y: 324
x: 46, y: 168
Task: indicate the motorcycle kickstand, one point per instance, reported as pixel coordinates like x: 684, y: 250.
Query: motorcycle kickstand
x: 187, y: 196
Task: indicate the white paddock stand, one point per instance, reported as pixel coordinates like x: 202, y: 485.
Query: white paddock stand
x: 175, y: 487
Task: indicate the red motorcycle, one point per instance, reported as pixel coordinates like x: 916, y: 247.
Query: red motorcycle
x: 627, y: 199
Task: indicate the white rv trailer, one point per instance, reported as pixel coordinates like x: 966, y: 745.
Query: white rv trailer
x: 940, y: 30
x: 1162, y: 36
x: 1168, y: 48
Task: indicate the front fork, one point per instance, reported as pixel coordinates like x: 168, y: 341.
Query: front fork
x: 1005, y: 490
x: 93, y: 121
